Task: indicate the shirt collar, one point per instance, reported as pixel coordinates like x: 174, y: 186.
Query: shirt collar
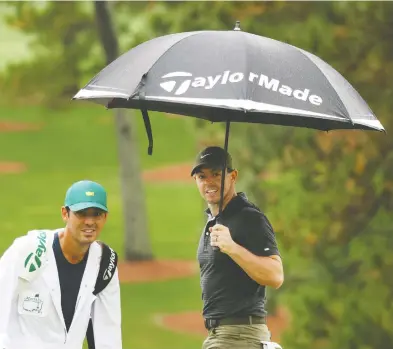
x: 236, y: 203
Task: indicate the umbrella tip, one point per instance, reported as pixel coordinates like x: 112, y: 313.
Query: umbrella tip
x: 237, y: 26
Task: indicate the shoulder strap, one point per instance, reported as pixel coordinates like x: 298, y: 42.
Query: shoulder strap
x: 108, y: 266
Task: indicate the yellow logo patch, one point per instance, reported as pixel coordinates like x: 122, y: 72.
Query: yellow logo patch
x: 90, y: 193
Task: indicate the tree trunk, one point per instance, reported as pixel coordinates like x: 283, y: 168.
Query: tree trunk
x: 136, y: 242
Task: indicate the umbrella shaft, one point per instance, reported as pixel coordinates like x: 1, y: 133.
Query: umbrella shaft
x: 228, y: 123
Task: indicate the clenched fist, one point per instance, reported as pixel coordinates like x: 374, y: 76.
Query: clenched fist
x: 220, y: 236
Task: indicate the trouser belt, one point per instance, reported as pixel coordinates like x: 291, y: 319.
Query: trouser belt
x: 243, y: 320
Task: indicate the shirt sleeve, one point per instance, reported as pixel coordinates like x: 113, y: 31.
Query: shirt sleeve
x: 106, y: 316
x: 260, y: 238
x: 8, y: 282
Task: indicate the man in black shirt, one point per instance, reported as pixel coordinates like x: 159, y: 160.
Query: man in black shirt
x: 234, y: 277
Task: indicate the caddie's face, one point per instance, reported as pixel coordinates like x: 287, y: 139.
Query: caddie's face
x: 85, y: 226
x: 208, y: 181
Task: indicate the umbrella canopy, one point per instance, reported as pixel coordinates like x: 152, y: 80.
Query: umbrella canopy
x: 230, y: 76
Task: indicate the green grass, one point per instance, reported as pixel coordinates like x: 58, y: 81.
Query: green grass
x: 158, y: 298
x: 80, y: 143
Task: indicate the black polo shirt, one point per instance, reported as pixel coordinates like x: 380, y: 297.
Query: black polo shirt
x: 227, y: 290
x: 70, y: 277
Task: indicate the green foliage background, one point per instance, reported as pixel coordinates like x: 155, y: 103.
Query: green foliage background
x: 328, y: 195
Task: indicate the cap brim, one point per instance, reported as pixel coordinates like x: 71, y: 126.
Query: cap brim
x: 83, y: 205
x: 195, y: 169
x: 201, y: 165
x: 206, y: 165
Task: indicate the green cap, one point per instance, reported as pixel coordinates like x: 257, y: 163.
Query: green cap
x: 86, y: 194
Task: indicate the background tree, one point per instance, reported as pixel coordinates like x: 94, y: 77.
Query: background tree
x: 136, y: 239
x: 328, y: 195
x: 68, y: 37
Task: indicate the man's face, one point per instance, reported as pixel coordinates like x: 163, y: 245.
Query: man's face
x: 208, y: 181
x: 85, y: 226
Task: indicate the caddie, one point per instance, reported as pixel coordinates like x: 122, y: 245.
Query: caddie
x: 55, y: 284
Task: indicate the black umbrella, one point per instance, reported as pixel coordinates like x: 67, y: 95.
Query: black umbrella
x: 230, y: 76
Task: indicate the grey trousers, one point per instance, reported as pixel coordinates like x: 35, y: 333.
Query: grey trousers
x: 237, y: 336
